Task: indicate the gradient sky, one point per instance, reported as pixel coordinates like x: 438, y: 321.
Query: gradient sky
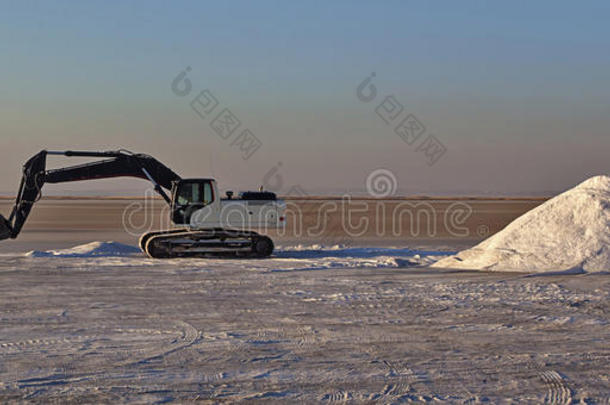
x: 518, y: 92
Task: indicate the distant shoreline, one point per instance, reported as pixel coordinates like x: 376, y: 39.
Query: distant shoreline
x: 308, y: 198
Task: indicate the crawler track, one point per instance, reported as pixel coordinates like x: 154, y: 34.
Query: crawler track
x: 206, y: 243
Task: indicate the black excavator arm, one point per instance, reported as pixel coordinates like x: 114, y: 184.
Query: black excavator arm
x: 117, y: 164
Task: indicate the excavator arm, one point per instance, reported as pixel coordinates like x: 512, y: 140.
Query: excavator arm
x: 116, y: 164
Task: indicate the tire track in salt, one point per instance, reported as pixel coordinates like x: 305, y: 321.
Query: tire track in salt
x: 400, y: 385
x: 558, y: 391
x: 337, y: 396
x: 189, y: 336
x: 33, y: 343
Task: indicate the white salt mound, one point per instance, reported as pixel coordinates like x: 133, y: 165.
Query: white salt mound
x: 570, y: 232
x: 93, y: 249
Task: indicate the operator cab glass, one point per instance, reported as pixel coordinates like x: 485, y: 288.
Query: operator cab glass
x: 188, y: 197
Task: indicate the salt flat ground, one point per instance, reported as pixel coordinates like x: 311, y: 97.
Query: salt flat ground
x: 133, y: 329
x: 309, y: 325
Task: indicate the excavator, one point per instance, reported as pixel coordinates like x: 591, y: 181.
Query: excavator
x: 206, y: 225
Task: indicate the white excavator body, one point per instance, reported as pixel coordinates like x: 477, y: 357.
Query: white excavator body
x: 198, y: 205
x: 240, y: 214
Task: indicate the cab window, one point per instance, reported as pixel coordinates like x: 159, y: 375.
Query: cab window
x: 191, y: 196
x: 188, y: 194
x: 208, y: 196
x: 195, y: 193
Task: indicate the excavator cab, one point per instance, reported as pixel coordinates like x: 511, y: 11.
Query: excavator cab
x: 188, y: 196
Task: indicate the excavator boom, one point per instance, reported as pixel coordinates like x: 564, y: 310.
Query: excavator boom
x: 116, y: 164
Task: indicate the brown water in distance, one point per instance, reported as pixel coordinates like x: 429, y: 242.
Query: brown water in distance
x: 65, y: 223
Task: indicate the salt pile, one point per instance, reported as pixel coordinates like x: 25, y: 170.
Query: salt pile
x: 93, y: 249
x: 570, y: 232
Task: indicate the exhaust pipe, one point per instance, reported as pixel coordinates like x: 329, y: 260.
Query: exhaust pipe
x: 6, y: 230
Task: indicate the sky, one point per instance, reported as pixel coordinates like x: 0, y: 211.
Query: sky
x: 513, y: 97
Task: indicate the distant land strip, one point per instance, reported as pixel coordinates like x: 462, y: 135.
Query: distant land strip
x: 316, y: 198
